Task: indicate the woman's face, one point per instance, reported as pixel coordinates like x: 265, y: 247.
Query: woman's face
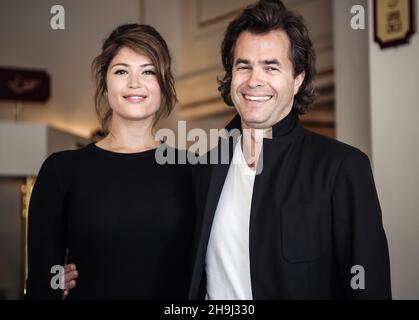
x: 133, y: 90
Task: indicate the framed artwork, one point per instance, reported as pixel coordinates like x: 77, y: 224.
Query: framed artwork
x: 24, y: 84
x: 394, y: 22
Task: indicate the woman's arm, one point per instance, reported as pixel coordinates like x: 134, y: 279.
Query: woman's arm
x: 46, y: 234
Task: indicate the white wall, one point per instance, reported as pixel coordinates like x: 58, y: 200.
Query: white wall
x: 11, y: 256
x: 353, y: 124
x: 25, y: 146
x: 28, y: 41
x: 377, y: 104
x: 395, y: 153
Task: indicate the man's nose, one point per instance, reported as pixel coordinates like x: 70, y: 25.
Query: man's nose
x: 255, y: 79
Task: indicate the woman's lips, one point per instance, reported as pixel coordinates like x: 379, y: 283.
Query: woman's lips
x: 135, y: 98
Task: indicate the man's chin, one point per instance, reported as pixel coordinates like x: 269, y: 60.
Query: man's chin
x: 255, y: 122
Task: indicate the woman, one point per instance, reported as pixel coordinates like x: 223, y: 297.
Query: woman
x: 125, y: 221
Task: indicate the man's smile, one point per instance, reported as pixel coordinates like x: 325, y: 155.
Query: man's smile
x: 258, y: 98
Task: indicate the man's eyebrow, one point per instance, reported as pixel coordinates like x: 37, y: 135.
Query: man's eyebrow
x: 271, y: 61
x: 263, y: 62
x: 241, y: 61
x: 127, y: 65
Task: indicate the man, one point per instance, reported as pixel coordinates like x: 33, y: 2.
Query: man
x: 307, y: 225
x: 297, y: 216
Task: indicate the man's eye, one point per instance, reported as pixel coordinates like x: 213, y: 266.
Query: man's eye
x: 120, y: 72
x: 272, y: 69
x: 243, y: 68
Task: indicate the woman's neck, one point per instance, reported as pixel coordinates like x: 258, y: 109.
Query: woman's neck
x: 130, y: 137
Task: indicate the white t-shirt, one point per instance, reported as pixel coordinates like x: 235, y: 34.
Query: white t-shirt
x: 227, y: 263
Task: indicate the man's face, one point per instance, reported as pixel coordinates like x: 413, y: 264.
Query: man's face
x: 263, y: 84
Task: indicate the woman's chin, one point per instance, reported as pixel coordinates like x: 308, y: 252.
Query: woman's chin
x: 137, y: 117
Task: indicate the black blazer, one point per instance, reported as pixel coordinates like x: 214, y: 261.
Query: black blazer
x: 314, y: 215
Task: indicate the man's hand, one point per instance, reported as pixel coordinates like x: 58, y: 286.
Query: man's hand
x: 70, y: 277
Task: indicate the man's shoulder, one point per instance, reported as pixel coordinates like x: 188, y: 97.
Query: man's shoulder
x: 324, y: 146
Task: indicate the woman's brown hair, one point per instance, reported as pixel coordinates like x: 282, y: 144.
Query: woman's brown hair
x: 144, y: 40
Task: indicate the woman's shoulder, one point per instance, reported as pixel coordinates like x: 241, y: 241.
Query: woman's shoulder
x: 60, y: 167
x: 67, y: 158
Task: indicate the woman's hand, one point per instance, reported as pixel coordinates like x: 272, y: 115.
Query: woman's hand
x: 70, y: 277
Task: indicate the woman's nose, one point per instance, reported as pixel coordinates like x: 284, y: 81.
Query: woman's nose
x: 134, y: 82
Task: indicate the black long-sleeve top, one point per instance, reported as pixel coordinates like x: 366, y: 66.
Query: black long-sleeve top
x: 123, y: 219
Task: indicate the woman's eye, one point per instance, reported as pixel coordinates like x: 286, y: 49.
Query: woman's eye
x: 149, y: 72
x: 120, y: 72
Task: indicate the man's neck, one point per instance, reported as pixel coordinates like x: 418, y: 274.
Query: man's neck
x: 252, y: 143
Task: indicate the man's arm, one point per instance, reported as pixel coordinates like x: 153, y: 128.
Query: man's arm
x: 360, y: 241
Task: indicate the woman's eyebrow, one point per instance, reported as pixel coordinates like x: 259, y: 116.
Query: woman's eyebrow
x: 127, y: 65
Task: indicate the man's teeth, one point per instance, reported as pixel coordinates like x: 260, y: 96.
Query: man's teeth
x: 257, y: 98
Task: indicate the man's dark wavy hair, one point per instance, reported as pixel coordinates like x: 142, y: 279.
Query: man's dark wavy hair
x: 261, y: 18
